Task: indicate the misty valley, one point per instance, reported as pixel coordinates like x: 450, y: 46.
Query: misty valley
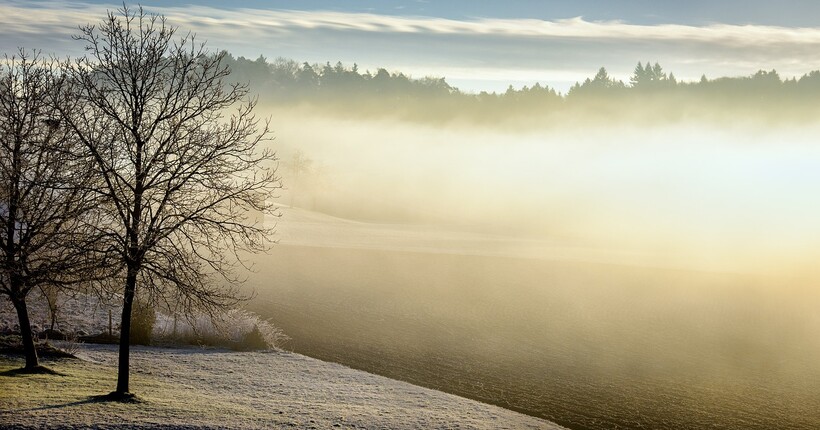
x: 582, y: 344
x: 685, y: 300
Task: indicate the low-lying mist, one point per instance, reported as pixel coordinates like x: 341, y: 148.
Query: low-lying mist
x: 738, y: 198
x: 590, y: 346
x: 600, y: 276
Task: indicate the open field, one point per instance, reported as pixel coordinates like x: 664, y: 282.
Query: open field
x: 587, y: 338
x: 584, y: 346
x: 201, y: 389
x: 589, y: 345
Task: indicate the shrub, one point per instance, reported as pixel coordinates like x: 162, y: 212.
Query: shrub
x: 236, y: 329
x: 143, y: 319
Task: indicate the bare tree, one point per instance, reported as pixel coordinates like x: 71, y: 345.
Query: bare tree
x: 52, y: 297
x: 44, y: 194
x: 178, y: 149
x: 299, y: 166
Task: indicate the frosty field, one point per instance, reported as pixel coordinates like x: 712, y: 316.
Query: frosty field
x: 202, y: 389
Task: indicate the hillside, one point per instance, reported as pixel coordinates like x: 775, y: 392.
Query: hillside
x: 193, y: 388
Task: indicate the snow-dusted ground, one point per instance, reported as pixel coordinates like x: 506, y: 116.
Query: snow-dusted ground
x: 196, y: 388
x: 87, y: 313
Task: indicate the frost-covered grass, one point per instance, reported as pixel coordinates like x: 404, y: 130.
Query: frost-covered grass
x: 89, y: 314
x: 84, y: 313
x: 195, y: 388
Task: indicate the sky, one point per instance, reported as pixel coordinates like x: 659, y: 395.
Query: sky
x: 475, y: 44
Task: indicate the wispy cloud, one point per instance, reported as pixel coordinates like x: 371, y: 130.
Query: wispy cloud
x: 748, y: 35
x: 503, y: 50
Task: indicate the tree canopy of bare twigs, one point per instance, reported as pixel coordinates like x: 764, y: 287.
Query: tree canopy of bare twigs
x: 179, y: 152
x: 45, y: 199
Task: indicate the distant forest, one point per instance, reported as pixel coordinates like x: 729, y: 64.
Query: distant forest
x: 651, y: 94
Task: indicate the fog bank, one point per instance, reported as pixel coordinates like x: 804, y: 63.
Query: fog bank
x: 736, y: 198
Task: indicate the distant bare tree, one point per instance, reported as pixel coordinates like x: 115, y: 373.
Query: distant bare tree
x: 299, y: 165
x: 44, y: 191
x: 184, y: 177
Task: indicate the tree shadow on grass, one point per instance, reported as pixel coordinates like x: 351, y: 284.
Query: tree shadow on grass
x: 102, y: 398
x: 37, y: 370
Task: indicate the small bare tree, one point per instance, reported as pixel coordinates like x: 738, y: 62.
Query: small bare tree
x: 178, y: 150
x: 299, y: 166
x: 45, y: 201
x: 52, y: 297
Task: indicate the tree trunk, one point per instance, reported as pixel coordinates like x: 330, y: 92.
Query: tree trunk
x: 25, y: 333
x: 125, y: 331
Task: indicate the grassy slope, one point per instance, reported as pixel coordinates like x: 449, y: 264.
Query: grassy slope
x: 217, y: 389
